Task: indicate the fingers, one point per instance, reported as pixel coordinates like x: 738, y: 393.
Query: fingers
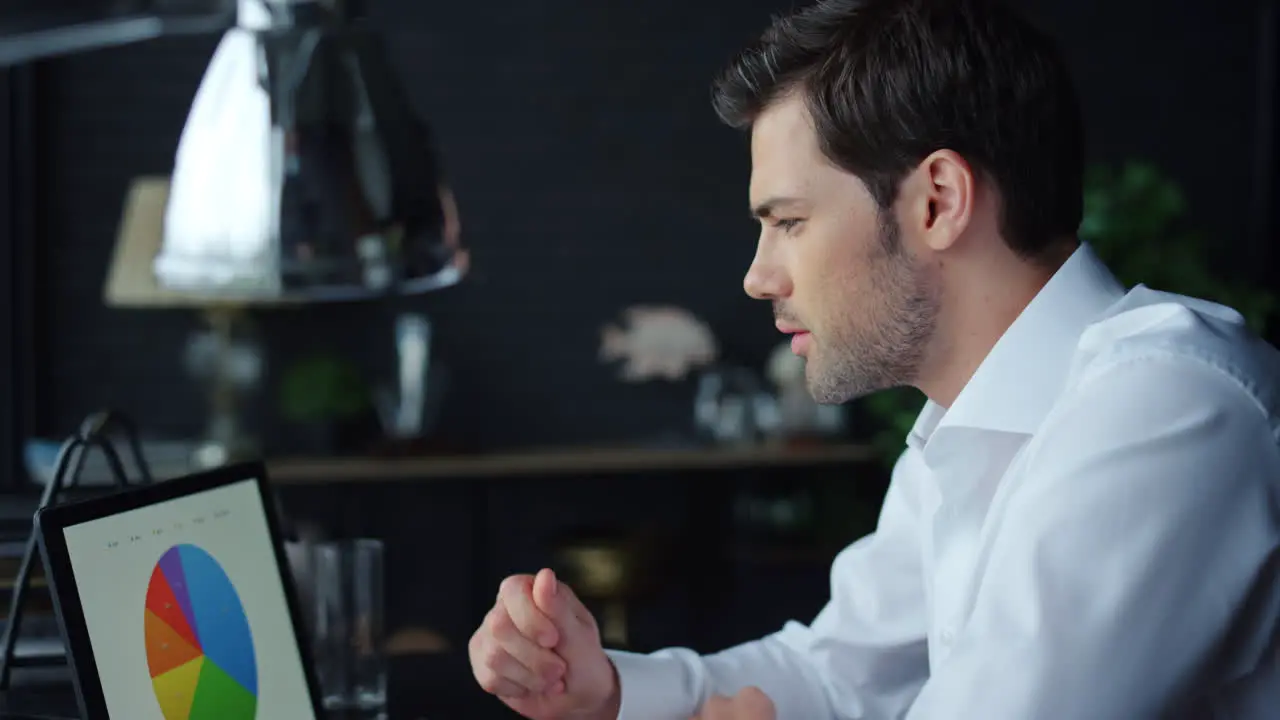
x: 510, y: 665
x: 503, y: 688
x: 557, y: 601
x: 540, y: 661
x: 503, y: 674
x: 516, y: 596
x: 537, y: 629
x: 494, y: 669
x: 545, y: 588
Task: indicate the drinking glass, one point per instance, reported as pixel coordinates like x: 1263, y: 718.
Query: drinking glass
x: 346, y: 620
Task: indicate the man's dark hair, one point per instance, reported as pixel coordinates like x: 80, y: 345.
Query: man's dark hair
x: 889, y: 81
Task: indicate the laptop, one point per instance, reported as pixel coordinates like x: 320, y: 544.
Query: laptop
x: 177, y: 603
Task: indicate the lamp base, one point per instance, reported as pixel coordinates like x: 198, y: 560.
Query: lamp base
x: 228, y: 358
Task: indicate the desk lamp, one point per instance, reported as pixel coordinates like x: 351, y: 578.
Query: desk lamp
x: 302, y: 176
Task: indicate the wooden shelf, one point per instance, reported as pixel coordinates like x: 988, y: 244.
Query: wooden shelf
x: 558, y: 462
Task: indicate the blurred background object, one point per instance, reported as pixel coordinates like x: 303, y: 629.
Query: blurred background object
x: 301, y: 176
x: 302, y: 171
x: 36, y: 29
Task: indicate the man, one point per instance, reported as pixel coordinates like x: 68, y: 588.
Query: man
x: 1084, y: 523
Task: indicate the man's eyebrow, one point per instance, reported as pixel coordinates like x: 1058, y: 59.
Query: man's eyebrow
x: 767, y: 207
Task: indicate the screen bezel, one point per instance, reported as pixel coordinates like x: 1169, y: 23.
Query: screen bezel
x: 51, y: 521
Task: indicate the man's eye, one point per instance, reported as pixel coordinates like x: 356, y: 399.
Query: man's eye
x: 787, y: 224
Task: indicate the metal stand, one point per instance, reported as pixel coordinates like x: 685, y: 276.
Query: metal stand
x: 229, y: 358
x: 94, y: 431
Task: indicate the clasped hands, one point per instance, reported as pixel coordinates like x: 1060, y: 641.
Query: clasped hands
x: 538, y: 650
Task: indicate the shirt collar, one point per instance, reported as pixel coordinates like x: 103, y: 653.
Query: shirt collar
x: 1036, y: 350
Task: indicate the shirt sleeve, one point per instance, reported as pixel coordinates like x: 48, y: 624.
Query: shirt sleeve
x: 1119, y: 582
x: 864, y: 656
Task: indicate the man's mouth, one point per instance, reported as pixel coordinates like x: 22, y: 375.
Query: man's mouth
x: 800, y: 338
x: 788, y: 328
x: 800, y: 341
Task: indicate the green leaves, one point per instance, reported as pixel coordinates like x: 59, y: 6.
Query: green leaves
x: 894, y: 412
x: 1135, y: 218
x: 321, y: 389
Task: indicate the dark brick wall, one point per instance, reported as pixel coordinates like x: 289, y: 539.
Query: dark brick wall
x: 8, y: 430
x: 591, y: 175
x: 16, y: 279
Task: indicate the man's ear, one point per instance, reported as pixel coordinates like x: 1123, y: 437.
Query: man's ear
x: 936, y: 200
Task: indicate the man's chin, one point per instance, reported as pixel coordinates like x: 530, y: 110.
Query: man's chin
x: 824, y: 390
x: 828, y: 390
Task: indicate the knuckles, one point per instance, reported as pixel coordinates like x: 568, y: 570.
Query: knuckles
x: 500, y: 624
x: 514, y: 586
x: 492, y: 656
x: 484, y: 648
x: 488, y: 680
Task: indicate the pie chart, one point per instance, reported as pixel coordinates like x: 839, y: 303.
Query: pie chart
x: 199, y: 648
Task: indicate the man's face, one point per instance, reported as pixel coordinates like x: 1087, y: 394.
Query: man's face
x: 843, y: 282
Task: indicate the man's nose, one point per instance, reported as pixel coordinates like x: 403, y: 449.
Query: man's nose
x: 765, y: 280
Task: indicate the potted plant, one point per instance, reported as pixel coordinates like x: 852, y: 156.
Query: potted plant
x: 327, y: 400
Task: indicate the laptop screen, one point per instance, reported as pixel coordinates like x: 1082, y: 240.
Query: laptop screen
x: 186, y: 612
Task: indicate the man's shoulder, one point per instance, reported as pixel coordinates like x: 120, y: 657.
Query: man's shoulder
x: 1189, y: 339
x: 1163, y: 385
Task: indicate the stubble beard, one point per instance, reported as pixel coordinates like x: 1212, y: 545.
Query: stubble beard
x: 886, y: 346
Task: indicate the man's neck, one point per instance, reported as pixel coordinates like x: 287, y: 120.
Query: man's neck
x: 983, y: 300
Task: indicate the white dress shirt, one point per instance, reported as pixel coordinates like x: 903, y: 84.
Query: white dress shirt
x: 1090, y: 532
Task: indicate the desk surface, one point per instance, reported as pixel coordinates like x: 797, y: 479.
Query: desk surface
x: 47, y: 693
x: 58, y: 701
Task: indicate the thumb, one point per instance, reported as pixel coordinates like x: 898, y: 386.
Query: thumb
x: 558, y: 602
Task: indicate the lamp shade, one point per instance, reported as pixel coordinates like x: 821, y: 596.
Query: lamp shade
x: 303, y: 171
x: 131, y: 279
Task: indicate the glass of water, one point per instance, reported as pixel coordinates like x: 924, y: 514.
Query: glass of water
x: 347, y: 626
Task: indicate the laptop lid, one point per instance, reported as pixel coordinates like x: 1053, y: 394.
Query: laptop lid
x: 176, y: 601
